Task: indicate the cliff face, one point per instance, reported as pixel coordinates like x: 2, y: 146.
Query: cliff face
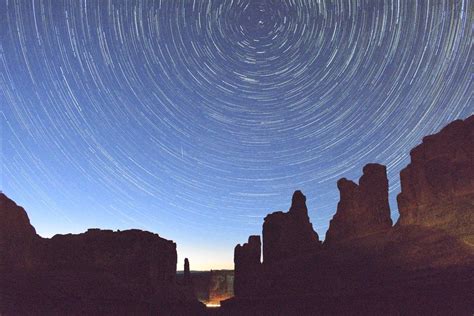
x: 133, y: 259
x: 97, y: 271
x: 287, y: 235
x: 438, y: 184
x: 363, y: 209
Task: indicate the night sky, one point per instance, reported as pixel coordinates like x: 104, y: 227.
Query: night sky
x: 195, y: 119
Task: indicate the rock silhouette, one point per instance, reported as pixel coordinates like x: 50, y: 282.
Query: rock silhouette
x: 363, y: 209
x: 438, y: 184
x: 286, y: 235
x: 17, y: 236
x: 422, y: 265
x: 187, y: 274
x: 99, y: 271
x: 247, y: 266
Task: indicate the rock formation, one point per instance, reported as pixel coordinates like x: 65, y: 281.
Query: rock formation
x: 187, y: 272
x: 288, y: 235
x: 438, y: 184
x: 17, y: 236
x: 247, y: 266
x: 99, y: 271
x: 422, y: 265
x: 363, y: 209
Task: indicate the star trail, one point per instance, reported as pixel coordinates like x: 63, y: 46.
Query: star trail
x: 194, y: 119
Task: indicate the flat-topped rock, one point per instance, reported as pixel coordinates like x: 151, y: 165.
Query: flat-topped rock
x: 96, y: 272
x: 247, y: 266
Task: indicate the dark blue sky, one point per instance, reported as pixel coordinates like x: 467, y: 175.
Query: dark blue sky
x: 194, y: 119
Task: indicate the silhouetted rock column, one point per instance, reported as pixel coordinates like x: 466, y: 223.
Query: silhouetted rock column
x: 187, y: 273
x: 438, y: 184
x: 247, y: 266
x: 289, y: 235
x: 363, y: 209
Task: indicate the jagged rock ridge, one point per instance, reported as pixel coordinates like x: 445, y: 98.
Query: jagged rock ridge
x: 422, y: 265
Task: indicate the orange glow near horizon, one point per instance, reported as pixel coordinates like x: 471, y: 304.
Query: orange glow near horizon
x: 215, y: 301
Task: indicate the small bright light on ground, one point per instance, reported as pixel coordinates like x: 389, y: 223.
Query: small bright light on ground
x: 213, y: 305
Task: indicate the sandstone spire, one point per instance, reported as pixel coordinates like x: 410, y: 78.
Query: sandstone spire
x: 363, y: 209
x: 286, y: 235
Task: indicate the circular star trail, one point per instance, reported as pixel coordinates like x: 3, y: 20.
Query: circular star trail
x: 195, y: 119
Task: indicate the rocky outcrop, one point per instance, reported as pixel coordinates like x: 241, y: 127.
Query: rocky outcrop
x: 422, y: 265
x: 17, y: 236
x: 99, y: 271
x: 438, y: 184
x: 133, y: 258
x: 289, y: 235
x: 15, y: 223
x: 363, y: 209
x: 247, y: 266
